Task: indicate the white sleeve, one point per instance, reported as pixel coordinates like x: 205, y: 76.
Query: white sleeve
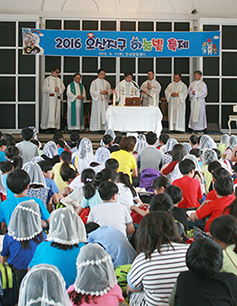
x: 46, y: 86
x: 71, y: 97
x: 202, y: 93
x: 168, y: 93
x: 183, y: 94
x: 61, y: 87
x: 95, y: 93
x: 84, y: 94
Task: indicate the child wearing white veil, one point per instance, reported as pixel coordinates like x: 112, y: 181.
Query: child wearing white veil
x: 207, y: 142
x: 108, y: 132
x: 51, y: 152
x: 230, y: 147
x: 168, y: 149
x: 38, y: 187
x: 84, y: 155
x: 67, y: 235
x: 208, y: 156
x: 101, y: 156
x: 223, y: 143
x: 24, y: 235
x: 96, y: 282
x: 43, y: 286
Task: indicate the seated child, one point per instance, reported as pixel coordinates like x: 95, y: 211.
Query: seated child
x: 224, y: 231
x: 18, y: 182
x: 190, y: 187
x: 203, y: 284
x: 113, y: 241
x: 224, y: 191
x: 176, y: 195
x: 24, y: 235
x: 110, y: 213
x: 193, y: 140
x: 163, y: 140
x: 95, y: 284
x: 75, y: 140
x: 27, y: 149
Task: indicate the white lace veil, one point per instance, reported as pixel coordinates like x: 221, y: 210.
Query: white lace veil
x: 25, y: 222
x: 101, y: 155
x: 35, y: 173
x: 225, y: 139
x: 194, y: 159
x: 66, y: 227
x: 85, y: 154
x: 187, y: 147
x: 206, y: 142
x: 50, y: 149
x: 170, y: 144
x: 141, y: 143
x: 95, y: 271
x: 208, y: 156
x: 43, y: 285
x: 232, y: 141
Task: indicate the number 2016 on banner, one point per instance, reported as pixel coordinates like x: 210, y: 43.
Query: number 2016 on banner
x: 68, y: 43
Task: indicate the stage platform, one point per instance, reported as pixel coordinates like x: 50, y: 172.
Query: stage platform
x: 95, y: 138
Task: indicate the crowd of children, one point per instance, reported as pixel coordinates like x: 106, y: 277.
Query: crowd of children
x: 143, y: 221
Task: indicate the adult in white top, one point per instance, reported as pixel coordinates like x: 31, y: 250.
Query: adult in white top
x: 197, y: 93
x: 153, y: 88
x: 100, y: 91
x: 176, y: 94
x: 53, y: 89
x: 76, y: 96
x: 127, y: 88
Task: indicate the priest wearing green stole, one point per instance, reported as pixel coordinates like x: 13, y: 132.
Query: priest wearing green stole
x: 76, y: 96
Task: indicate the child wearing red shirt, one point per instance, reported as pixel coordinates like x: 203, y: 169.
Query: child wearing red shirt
x: 214, y: 209
x: 190, y: 187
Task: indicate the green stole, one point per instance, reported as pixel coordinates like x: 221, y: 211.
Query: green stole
x: 73, y: 106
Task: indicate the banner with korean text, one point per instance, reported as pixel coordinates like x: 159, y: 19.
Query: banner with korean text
x: 120, y: 44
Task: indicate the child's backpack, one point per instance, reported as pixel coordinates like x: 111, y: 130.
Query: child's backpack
x: 10, y: 279
x: 121, y: 274
x: 147, y: 177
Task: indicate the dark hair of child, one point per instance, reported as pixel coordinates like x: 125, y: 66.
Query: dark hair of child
x: 17, y: 162
x: 232, y: 208
x: 196, y: 152
x: 105, y: 175
x: 67, y: 172
x: 162, y: 202
x: 94, y: 164
x: 186, y: 166
x: 204, y: 258
x: 178, y: 152
x: 175, y: 193
x: 75, y: 139
x: 5, y: 166
x: 151, y: 138
x: 156, y: 229
x: 107, y: 139
x: 11, y: 151
x: 17, y: 181
x: 164, y: 138
x: 107, y: 190
x: 66, y: 156
x: 91, y: 226
x: 220, y: 171
x: 224, y: 186
x: 218, y: 153
x: 112, y: 163
x: 193, y: 139
x: 3, y: 142
x: 160, y: 181
x: 224, y: 229
x: 213, y: 165
x: 27, y: 133
x: 37, y: 239
x: 9, y: 139
x: 118, y: 139
x: 124, y: 179
x: 88, y: 178
x: 45, y: 165
x: 58, y: 136
x: 60, y: 143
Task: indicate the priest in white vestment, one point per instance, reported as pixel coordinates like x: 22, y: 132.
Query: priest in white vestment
x: 176, y: 94
x: 153, y: 88
x: 100, y: 91
x: 53, y: 89
x: 76, y: 96
x: 197, y: 93
x: 127, y: 88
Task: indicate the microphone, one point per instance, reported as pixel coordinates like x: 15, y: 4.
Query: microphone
x: 141, y: 91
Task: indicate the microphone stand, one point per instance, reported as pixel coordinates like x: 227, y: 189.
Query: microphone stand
x: 141, y: 91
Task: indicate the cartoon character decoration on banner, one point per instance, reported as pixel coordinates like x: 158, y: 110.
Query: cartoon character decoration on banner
x: 31, y: 42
